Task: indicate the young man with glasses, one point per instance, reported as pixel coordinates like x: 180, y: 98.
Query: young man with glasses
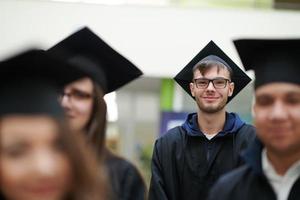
x: 272, y: 169
x: 188, y: 159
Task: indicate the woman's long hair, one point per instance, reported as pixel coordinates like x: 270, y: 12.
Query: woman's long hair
x: 89, y: 178
x: 96, y: 126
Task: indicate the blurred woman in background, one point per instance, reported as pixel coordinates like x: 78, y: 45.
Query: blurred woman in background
x: 85, y: 107
x: 40, y: 158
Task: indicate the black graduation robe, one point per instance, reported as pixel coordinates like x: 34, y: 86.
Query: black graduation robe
x: 126, y: 183
x: 249, y: 182
x: 186, y: 167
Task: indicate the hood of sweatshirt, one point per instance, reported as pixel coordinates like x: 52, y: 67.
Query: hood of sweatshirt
x: 232, y: 123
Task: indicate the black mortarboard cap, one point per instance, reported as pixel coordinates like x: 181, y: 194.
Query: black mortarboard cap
x: 273, y: 60
x: 101, y: 62
x: 212, y: 51
x: 30, y: 83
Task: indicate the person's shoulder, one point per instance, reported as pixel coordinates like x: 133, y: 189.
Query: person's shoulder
x: 121, y: 165
x: 125, y: 176
x: 227, y: 185
x: 234, y: 176
x: 173, y: 136
x: 129, y: 170
x: 241, y: 126
x: 249, y: 127
x: 247, y: 130
x: 230, y: 180
x: 119, y: 161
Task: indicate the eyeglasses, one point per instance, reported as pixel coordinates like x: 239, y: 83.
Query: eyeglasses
x: 75, y: 95
x: 218, y: 83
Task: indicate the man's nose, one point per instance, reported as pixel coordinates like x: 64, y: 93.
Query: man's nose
x: 278, y: 111
x: 210, y: 86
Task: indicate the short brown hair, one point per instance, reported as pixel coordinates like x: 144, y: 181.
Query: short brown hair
x: 204, y: 66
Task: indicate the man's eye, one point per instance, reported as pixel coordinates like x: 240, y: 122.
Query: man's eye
x: 264, y: 101
x: 219, y: 82
x: 202, y: 82
x: 293, y: 100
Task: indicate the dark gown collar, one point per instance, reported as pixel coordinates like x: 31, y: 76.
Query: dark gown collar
x: 252, y: 156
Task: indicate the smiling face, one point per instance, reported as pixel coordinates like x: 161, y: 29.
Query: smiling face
x: 78, y: 103
x: 33, y: 163
x: 277, y: 117
x: 210, y: 99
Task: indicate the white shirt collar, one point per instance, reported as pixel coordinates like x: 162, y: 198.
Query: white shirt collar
x: 210, y: 136
x: 281, y: 184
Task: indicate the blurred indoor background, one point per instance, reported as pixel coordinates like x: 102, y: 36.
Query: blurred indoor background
x: 160, y: 37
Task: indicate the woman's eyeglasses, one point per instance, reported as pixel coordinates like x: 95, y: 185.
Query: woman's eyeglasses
x: 76, y: 95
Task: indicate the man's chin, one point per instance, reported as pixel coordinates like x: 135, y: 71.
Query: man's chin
x: 211, y: 109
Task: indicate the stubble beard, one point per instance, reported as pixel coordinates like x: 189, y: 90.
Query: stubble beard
x: 210, y: 109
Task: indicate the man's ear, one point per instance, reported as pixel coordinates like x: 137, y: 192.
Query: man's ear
x: 231, y: 88
x: 192, y: 89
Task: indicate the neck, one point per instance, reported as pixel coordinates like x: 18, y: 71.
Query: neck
x: 282, y: 162
x: 211, y: 123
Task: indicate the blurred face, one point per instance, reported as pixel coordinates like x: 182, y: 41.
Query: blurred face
x: 33, y: 164
x: 277, y: 117
x: 78, y: 103
x: 211, y: 99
